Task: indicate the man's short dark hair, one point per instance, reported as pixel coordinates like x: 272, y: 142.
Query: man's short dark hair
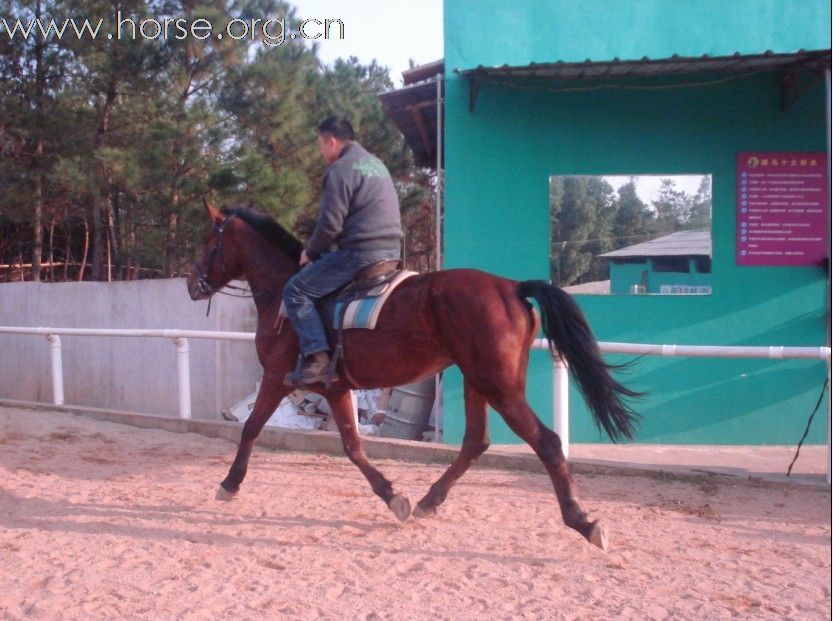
x: 338, y: 127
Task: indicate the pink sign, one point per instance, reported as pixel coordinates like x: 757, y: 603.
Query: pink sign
x: 782, y: 209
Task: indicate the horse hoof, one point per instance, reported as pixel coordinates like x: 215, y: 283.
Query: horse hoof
x: 225, y: 495
x: 400, y: 506
x: 598, y: 536
x: 420, y: 512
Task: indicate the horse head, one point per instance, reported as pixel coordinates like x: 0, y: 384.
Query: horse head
x: 219, y: 262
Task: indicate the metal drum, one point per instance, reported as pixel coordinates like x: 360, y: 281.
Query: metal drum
x: 408, y: 410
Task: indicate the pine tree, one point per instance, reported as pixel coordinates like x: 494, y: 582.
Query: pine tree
x: 574, y: 219
x: 634, y: 222
x: 700, y: 212
x: 273, y: 158
x: 31, y: 69
x: 107, y: 146
x: 671, y: 207
x: 601, y: 194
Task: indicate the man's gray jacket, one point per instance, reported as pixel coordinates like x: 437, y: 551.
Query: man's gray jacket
x: 359, y: 207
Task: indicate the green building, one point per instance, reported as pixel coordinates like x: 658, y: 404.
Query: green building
x: 676, y: 264
x: 623, y: 87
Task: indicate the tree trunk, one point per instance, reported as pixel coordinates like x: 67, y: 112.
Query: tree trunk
x: 171, y: 254
x: 116, y: 239
x: 111, y: 245
x: 37, y: 163
x: 85, y: 250
x: 67, y: 252
x: 51, y: 253
x: 100, y: 209
x: 129, y: 240
x: 171, y: 250
x: 97, y: 271
x: 37, y: 213
x: 109, y: 261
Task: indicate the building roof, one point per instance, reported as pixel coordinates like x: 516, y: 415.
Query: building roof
x: 413, y: 108
x: 696, y: 243
x: 590, y: 70
x: 595, y: 287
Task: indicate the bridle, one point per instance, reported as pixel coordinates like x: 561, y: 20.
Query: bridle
x: 204, y: 286
x: 207, y: 288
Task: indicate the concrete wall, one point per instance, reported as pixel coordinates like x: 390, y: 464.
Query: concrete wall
x: 137, y: 374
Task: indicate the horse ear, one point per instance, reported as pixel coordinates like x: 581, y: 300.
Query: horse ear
x: 215, y: 214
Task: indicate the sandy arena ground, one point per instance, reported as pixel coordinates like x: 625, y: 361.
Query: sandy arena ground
x: 105, y: 521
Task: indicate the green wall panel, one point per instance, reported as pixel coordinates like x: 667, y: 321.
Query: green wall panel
x: 498, y: 160
x: 624, y: 275
x: 494, y: 32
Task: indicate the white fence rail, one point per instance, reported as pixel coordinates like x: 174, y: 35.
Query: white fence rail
x: 560, y: 379
x: 560, y: 393
x: 179, y: 338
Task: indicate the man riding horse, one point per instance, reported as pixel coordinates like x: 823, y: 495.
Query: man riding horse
x: 358, y: 225
x: 482, y: 323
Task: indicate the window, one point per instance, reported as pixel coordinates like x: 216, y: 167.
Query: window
x: 671, y: 264
x: 647, y: 234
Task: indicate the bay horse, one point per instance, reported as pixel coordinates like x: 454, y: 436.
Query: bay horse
x: 481, y: 322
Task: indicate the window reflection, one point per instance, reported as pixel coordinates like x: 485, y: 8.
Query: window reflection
x: 649, y: 234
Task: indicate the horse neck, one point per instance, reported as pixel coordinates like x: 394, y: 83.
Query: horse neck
x: 266, y: 268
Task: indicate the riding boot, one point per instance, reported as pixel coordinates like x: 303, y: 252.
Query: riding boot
x: 313, y: 370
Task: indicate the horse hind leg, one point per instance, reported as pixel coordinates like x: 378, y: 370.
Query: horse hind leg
x: 341, y: 406
x: 475, y: 442
x: 547, y: 446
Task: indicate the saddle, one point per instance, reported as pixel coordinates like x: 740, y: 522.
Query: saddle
x: 356, y: 305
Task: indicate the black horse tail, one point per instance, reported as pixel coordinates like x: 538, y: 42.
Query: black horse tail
x: 569, y: 335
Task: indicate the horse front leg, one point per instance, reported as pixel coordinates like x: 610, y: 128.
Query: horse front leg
x: 341, y: 407
x: 271, y: 392
x: 475, y: 442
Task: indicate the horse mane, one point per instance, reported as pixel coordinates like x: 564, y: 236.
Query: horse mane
x: 269, y: 228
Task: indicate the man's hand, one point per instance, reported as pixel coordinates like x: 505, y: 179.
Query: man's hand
x: 304, y: 259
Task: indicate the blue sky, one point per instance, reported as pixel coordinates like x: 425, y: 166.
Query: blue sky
x: 391, y: 31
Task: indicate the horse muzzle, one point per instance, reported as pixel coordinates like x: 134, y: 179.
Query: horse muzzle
x: 198, y: 289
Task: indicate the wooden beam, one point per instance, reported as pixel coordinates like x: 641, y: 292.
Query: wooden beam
x: 423, y: 132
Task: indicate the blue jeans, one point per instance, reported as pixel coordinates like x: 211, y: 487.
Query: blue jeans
x: 323, y: 276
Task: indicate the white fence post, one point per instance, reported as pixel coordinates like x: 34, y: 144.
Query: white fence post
x: 57, y: 369
x: 829, y: 414
x: 829, y: 461
x: 183, y: 366
x: 561, y: 403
